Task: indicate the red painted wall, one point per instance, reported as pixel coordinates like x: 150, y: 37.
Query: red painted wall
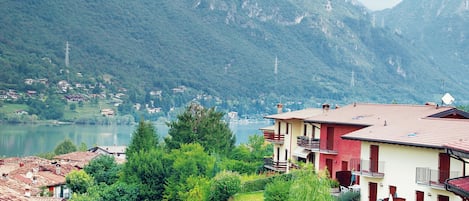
x: 347, y: 149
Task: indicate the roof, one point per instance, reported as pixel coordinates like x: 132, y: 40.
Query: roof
x: 299, y: 114
x: 459, y: 186
x: 78, y: 156
x: 372, y: 114
x: 425, y: 132
x: 399, y: 124
x: 110, y: 149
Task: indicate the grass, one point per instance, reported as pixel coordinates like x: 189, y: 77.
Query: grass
x: 11, y: 108
x: 251, y: 196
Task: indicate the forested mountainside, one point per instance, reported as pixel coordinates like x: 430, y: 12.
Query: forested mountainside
x: 328, y: 51
x: 439, y: 28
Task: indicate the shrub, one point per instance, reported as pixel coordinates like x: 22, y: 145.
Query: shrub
x: 277, y: 190
x: 225, y: 184
x: 349, y: 196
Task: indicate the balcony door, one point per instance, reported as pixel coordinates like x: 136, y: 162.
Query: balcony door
x: 443, y: 167
x: 374, y: 157
x: 330, y: 138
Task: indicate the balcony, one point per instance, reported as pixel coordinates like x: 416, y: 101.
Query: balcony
x: 278, y: 166
x: 434, y: 178
x: 308, y: 143
x: 274, y: 138
x: 367, y: 168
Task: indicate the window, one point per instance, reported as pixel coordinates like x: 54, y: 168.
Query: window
x: 392, y: 191
x: 443, y: 198
x: 288, y: 129
x: 305, y: 133
x: 278, y: 154
x: 279, y: 128
x: 286, y: 154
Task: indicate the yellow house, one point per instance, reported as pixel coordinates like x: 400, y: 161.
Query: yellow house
x: 415, y: 153
x: 291, y: 136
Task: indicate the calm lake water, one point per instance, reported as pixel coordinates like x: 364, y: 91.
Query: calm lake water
x: 26, y: 140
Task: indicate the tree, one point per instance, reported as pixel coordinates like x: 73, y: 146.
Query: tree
x: 189, y: 161
x: 73, y: 106
x: 65, y: 147
x: 147, y: 170
x: 143, y: 139
x: 225, y: 184
x: 103, y: 169
x: 78, y: 181
x: 204, y: 126
x: 309, y: 186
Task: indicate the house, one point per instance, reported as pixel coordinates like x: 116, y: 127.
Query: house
x: 294, y: 139
x: 79, y: 158
x: 459, y: 185
x: 33, y: 178
x: 107, y: 112
x: 118, y: 152
x: 404, y: 149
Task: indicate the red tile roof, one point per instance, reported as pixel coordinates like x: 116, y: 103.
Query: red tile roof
x: 459, y: 186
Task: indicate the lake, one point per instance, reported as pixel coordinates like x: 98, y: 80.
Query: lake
x: 29, y: 139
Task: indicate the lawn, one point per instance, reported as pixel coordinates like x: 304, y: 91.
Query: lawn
x: 251, y: 196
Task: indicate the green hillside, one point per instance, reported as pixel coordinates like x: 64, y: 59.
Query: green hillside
x: 221, y: 49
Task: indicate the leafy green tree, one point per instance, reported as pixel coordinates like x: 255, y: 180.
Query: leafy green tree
x: 225, y: 184
x: 198, y: 188
x: 189, y: 160
x: 121, y: 191
x: 78, y: 181
x: 65, y: 147
x: 103, y: 169
x: 309, y: 186
x: 147, y: 170
x: 204, y: 126
x: 83, y: 147
x: 144, y: 138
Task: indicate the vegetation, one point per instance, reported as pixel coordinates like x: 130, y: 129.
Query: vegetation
x: 201, y: 125
x: 65, y: 147
x: 221, y: 62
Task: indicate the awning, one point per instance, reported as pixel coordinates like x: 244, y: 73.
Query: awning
x: 301, y: 152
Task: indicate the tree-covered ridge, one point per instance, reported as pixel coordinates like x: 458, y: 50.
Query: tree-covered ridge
x: 224, y: 50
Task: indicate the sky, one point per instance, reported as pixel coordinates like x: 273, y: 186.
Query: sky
x: 379, y: 4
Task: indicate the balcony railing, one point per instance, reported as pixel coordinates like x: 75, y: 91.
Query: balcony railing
x: 274, y: 138
x: 367, y: 168
x: 308, y: 143
x: 279, y: 166
x: 434, y: 178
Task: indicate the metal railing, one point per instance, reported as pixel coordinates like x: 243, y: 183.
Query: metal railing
x: 432, y: 177
x: 307, y: 142
x: 367, y: 168
x: 274, y: 138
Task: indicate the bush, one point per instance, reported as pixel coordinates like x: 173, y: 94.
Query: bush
x: 225, y: 184
x: 278, y: 190
x: 260, y: 184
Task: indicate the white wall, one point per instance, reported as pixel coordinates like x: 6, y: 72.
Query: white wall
x: 400, y: 164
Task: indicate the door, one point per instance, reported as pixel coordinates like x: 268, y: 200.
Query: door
x: 330, y: 138
x: 372, y: 191
x: 443, y: 167
x: 392, y: 191
x: 419, y: 196
x: 374, y: 149
x: 329, y: 166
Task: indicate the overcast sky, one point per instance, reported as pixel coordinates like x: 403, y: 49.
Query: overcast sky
x: 379, y: 4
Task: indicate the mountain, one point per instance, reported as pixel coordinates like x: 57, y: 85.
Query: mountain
x: 328, y: 51
x: 439, y: 28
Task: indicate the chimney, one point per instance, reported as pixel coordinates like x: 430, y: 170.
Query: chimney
x: 325, y: 107
x: 57, y: 169
x: 279, y: 108
x: 27, y: 192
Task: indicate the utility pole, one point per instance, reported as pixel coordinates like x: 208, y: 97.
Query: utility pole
x: 67, y: 53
